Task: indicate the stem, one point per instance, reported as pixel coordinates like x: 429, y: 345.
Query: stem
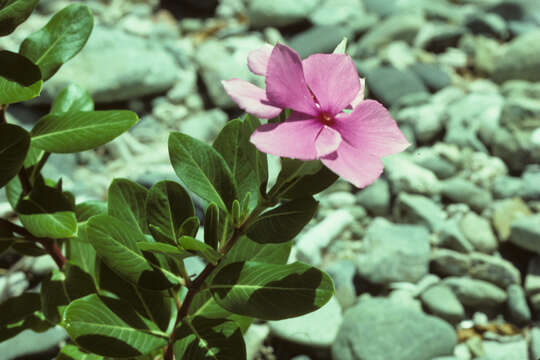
x: 25, y: 182
x: 39, y: 166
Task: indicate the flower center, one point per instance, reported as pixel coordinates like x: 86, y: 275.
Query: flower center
x: 326, y: 118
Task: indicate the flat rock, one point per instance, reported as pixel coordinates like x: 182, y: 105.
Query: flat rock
x: 515, y: 350
x: 318, y: 39
x: 452, y: 237
x: 441, y: 301
x: 389, y: 84
x: 520, y: 60
x: 393, y: 253
x: 420, y: 210
x: 496, y: 270
x: 463, y: 191
x: 280, y: 12
x: 376, y: 197
x: 476, y: 293
x: 446, y: 262
x: 405, y: 175
x: 432, y: 75
x: 381, y: 329
x: 518, y: 308
x: 479, y: 233
x: 525, y: 232
x: 505, y: 212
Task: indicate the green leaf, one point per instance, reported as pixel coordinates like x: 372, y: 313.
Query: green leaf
x: 13, y: 192
x: 284, y: 222
x: 20, y: 79
x: 72, y: 98
x: 116, y: 243
x: 165, y: 249
x: 14, y: 144
x: 80, y: 252
x: 27, y: 248
x: 208, y: 253
x: 60, y: 40
x: 110, y: 327
x: 168, y: 205
x: 33, y: 156
x: 53, y: 296
x: 202, y: 169
x: 270, y: 291
x: 199, y: 338
x: 18, y: 308
x: 248, y: 166
x: 72, y: 352
x: 6, y: 236
x: 312, y: 184
x: 78, y: 282
x: 293, y: 168
x: 211, y: 226
x: 77, y: 131
x: 247, y: 249
x: 34, y: 322
x: 189, y: 227
x: 13, y: 13
x: 126, y: 202
x: 87, y: 209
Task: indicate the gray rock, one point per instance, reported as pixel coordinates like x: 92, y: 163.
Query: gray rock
x: 476, y: 293
x: 451, y: 237
x: 394, y: 253
x: 525, y: 232
x: 493, y: 269
x: 315, y: 329
x: 479, y: 233
x: 531, y: 183
x: 280, y: 12
x: 29, y: 343
x: 427, y: 120
x: 334, y: 12
x: 389, y: 84
x: 432, y: 75
x: 487, y: 24
x: 505, y: 212
x: 437, y: 37
x: 515, y: 350
x: 318, y: 39
x: 518, y: 308
x: 382, y: 8
x: 380, y: 329
x: 520, y: 60
x: 12, y: 285
x: 419, y: 209
x: 128, y: 67
x: 507, y: 187
x: 343, y: 272
x: 376, y: 197
x: 440, y: 166
x: 254, y: 338
x: 404, y: 175
x: 449, y: 263
x: 462, y: 191
x: 204, y: 125
x: 535, y: 342
x: 441, y: 302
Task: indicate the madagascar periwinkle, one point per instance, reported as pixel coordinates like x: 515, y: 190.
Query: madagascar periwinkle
x: 122, y: 288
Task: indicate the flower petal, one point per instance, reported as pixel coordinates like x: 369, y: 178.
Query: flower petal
x: 327, y: 141
x: 360, y: 96
x: 294, y: 138
x: 357, y: 167
x: 250, y: 98
x: 333, y: 79
x: 285, y: 83
x: 258, y: 59
x: 371, y: 129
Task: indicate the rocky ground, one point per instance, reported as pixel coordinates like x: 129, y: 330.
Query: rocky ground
x: 440, y: 257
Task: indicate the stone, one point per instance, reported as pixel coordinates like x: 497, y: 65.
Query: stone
x: 115, y: 66
x: 460, y: 190
x: 342, y: 273
x: 476, y: 293
x: 520, y: 60
x: 379, y: 329
x: 375, y: 198
x: 12, y: 285
x: 487, y: 24
x: 451, y: 237
x: 432, y: 75
x: 405, y: 176
x: 535, y: 342
x: 419, y: 209
x: 437, y: 37
x: 204, y: 125
x: 507, y: 187
x: 313, y: 241
x: 318, y: 39
x: 280, y: 12
x: 481, y: 169
x: 388, y: 84
x: 518, y: 308
x: 531, y: 183
x: 28, y: 344
x: 532, y: 279
x: 525, y: 232
x: 429, y: 159
x: 479, y: 233
x: 316, y: 329
x: 496, y: 270
x: 334, y: 12
x: 338, y: 199
x: 441, y: 302
x: 393, y: 253
x: 505, y: 212
x: 427, y: 120
x: 446, y: 262
x: 254, y: 338
x: 515, y: 350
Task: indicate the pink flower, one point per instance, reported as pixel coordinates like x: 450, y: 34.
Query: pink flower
x: 317, y: 90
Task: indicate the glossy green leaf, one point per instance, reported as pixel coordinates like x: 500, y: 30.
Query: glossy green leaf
x: 202, y: 169
x: 33, y: 156
x: 191, y: 244
x: 284, y: 222
x: 110, y: 327
x: 168, y: 205
x: 270, y: 291
x: 14, y: 144
x: 13, y: 192
x: 27, y: 248
x: 60, y: 40
x: 20, y: 79
x: 78, y: 282
x: 164, y: 249
x: 291, y: 169
x: 53, y: 296
x: 77, y: 131
x: 72, y: 98
x: 72, y: 352
x: 312, y: 184
x: 199, y: 338
x: 126, y: 201
x: 18, y: 308
x: 80, y: 252
x: 247, y: 249
x: 87, y: 209
x: 189, y: 227
x: 248, y: 166
x: 6, y: 236
x: 13, y: 13
x: 116, y: 243
x: 212, y: 234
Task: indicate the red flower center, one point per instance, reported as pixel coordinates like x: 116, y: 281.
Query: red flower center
x: 326, y: 118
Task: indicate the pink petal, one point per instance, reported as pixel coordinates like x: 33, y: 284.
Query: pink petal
x: 258, y: 59
x: 250, y: 98
x: 371, y: 129
x: 333, y: 79
x: 360, y: 96
x: 327, y: 141
x: 285, y: 83
x: 294, y: 138
x: 355, y: 166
